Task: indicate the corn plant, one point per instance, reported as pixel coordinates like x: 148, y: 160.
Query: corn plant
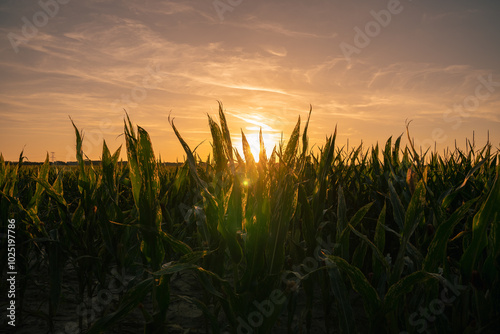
x: 372, y: 235
x: 248, y: 208
x: 145, y: 187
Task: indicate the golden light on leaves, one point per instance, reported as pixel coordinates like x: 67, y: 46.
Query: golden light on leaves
x: 254, y: 124
x: 270, y: 141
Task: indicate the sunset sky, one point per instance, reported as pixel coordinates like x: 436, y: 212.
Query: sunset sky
x: 365, y: 66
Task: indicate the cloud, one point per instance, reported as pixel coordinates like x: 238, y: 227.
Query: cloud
x: 447, y: 16
x: 276, y: 50
x: 276, y: 28
x: 267, y: 61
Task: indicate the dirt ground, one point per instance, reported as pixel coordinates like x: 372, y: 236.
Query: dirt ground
x: 183, y: 317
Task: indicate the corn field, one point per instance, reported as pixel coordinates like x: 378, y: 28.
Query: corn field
x: 377, y: 240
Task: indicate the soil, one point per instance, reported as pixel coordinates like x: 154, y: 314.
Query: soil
x: 182, y: 317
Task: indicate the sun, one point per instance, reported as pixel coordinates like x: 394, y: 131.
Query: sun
x: 254, y: 142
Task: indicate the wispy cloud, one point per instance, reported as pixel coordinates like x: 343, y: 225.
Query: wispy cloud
x: 266, y: 62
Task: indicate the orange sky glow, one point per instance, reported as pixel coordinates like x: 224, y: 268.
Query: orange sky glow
x: 367, y: 67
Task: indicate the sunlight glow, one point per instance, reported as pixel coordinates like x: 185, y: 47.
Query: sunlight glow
x: 270, y: 141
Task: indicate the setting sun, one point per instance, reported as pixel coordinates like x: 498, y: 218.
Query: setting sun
x: 270, y: 141
x: 226, y: 219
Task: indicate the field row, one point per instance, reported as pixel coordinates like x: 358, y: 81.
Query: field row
x: 378, y: 240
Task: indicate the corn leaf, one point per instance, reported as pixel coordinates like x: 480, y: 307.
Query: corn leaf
x: 128, y: 303
x: 339, y: 290
x: 436, y: 253
x: 489, y: 214
x: 360, y: 284
x: 404, y: 286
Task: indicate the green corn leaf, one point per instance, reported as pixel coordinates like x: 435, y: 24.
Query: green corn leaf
x: 43, y: 174
x: 177, y: 245
x: 388, y: 152
x: 347, y: 322
x: 305, y: 141
x: 342, y: 223
x: 360, y: 284
x: 106, y: 154
x: 360, y: 214
x: 395, y: 153
x: 194, y: 256
x: 129, y: 302
x: 227, y: 138
x: 322, y: 183
x: 79, y: 151
x: 283, y: 209
x: 488, y: 214
x: 161, y: 295
x: 355, y: 220
x: 397, y: 207
x: 257, y: 236
x: 53, y: 193
x: 405, y: 286
x: 437, y: 249
x: 134, y: 172
x: 36, y: 222
x: 204, y: 278
x: 308, y: 229
x: 379, y: 241
x: 470, y: 173
x: 375, y: 161
x: 358, y: 257
x: 218, y: 147
x: 415, y: 209
x: 145, y: 188
x: 291, y: 147
x: 490, y: 268
x: 192, y: 163
x: 232, y: 243
x: 246, y: 150
x: 412, y: 218
x: 377, y: 254
x: 147, y: 165
x: 109, y: 165
x: 230, y: 226
x: 262, y: 152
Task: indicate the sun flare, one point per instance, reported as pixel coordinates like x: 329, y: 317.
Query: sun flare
x: 270, y: 141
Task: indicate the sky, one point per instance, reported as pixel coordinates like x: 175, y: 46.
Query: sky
x: 367, y: 67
